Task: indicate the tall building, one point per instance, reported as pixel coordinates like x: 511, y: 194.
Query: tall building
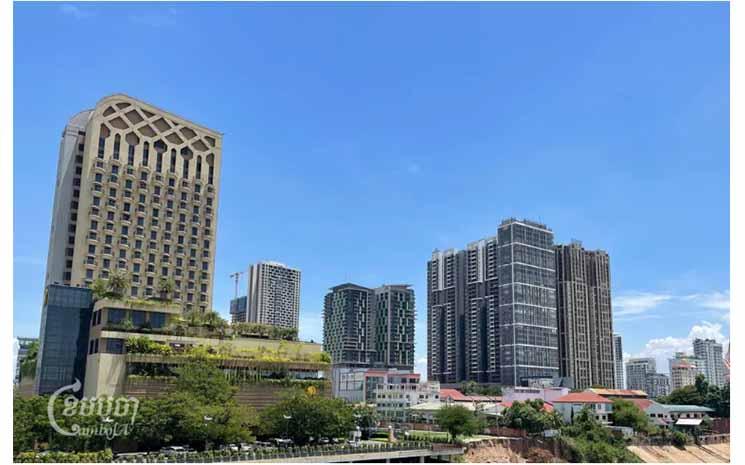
x: 393, y: 326
x: 347, y: 320
x: 684, y: 369
x: 63, y: 339
x: 584, y: 314
x: 637, y: 370
x: 656, y: 385
x: 463, y: 301
x: 710, y: 352
x: 528, y: 346
x: 618, y: 361
x: 136, y: 190
x: 491, y: 308
x: 370, y: 327
x: 273, y: 296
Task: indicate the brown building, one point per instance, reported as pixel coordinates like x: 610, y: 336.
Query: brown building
x: 585, y: 316
x: 136, y: 190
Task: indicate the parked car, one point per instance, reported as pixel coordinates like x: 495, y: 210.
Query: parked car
x: 173, y: 450
x: 245, y: 447
x: 280, y: 442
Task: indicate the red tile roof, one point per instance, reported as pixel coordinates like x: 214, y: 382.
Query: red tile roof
x: 643, y: 404
x: 586, y: 397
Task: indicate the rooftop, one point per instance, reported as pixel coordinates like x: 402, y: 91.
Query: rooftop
x: 586, y: 397
x: 618, y: 392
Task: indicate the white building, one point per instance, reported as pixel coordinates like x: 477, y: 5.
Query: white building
x: 711, y: 353
x: 573, y: 403
x: 273, y: 296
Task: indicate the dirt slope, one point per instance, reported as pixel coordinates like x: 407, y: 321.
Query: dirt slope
x: 711, y: 453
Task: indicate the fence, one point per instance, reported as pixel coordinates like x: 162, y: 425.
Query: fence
x: 274, y: 453
x: 712, y: 439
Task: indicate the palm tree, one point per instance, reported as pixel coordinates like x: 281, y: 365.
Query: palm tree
x: 118, y: 283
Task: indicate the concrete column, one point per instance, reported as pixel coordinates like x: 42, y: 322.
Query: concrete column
x: 421, y: 459
x: 387, y: 460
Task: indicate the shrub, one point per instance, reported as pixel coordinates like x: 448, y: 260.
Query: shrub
x: 679, y: 439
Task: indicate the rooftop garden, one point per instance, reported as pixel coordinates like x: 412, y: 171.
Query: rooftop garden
x: 193, y: 324
x: 284, y: 353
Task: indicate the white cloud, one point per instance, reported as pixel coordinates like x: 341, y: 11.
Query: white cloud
x: 635, y: 303
x: 75, y: 11
x: 714, y: 300
x: 662, y: 349
x: 420, y: 367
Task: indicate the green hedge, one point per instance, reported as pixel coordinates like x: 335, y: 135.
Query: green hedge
x: 104, y: 456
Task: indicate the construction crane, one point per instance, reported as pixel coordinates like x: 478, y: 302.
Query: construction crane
x: 237, y: 277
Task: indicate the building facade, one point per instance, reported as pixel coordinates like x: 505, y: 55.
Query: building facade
x: 528, y: 341
x: 273, y: 296
x: 584, y: 315
x: 136, y: 191
x: 710, y: 352
x: 683, y: 370
x: 491, y: 308
x: 657, y: 385
x: 636, y: 372
x: 393, y: 326
x: 618, y: 362
x: 63, y: 338
x: 347, y: 325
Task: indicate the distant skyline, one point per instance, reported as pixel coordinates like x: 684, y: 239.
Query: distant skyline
x: 374, y: 133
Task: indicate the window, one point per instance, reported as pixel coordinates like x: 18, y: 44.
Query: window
x: 116, y: 315
x: 117, y: 143
x: 114, y: 346
x: 145, y: 157
x: 138, y: 318
x: 157, y: 320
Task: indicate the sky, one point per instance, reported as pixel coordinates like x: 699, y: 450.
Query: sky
x: 358, y: 138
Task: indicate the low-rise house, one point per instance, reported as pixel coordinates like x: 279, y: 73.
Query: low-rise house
x: 573, y: 403
x: 679, y: 415
x: 521, y: 394
x: 393, y: 400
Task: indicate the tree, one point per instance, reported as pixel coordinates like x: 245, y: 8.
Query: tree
x: 28, y: 365
x: 165, y: 288
x: 100, y: 289
x: 474, y: 388
x: 530, y: 416
x: 687, y: 395
x: 301, y: 416
x: 204, y: 381
x: 626, y: 413
x: 588, y: 441
x: 118, y: 283
x: 366, y: 418
x: 458, y: 421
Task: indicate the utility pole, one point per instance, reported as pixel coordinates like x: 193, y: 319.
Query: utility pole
x: 237, y: 276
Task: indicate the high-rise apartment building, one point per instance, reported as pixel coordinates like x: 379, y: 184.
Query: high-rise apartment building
x: 656, y: 385
x: 463, y: 301
x: 618, y: 361
x: 683, y: 371
x: 492, y: 308
x: 529, y: 346
x: 637, y: 370
x: 584, y: 314
x: 393, y: 326
x: 136, y: 191
x: 370, y: 327
x: 710, y: 351
x: 273, y: 296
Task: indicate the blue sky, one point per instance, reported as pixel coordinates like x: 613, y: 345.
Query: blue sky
x: 358, y: 138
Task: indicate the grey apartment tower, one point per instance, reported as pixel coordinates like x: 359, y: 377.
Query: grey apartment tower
x: 584, y: 314
x: 273, y: 296
x: 491, y: 308
x: 370, y: 327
